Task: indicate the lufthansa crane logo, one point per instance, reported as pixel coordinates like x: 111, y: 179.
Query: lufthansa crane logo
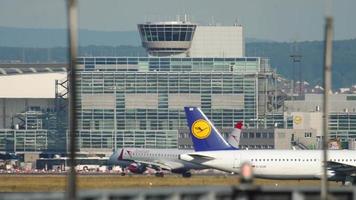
x: 201, y: 129
x: 297, y: 119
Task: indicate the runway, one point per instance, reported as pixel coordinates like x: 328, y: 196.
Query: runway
x: 57, y: 182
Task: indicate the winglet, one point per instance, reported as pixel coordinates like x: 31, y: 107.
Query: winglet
x: 205, y: 136
x: 121, y: 154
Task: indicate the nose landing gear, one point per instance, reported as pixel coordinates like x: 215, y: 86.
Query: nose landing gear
x: 187, y: 174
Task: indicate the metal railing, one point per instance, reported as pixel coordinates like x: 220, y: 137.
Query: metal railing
x: 246, y: 192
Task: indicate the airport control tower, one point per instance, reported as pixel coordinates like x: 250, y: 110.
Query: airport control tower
x: 167, y: 38
x: 187, y: 39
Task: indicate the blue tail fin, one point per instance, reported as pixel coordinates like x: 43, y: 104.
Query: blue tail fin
x: 204, y: 135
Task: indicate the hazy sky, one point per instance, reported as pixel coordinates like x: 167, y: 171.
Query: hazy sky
x: 279, y: 20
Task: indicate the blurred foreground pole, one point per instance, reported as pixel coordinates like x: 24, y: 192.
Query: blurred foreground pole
x: 246, y: 187
x: 327, y: 89
x: 72, y: 119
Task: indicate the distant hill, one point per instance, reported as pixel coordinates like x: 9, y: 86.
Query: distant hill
x: 47, y: 45
x: 47, y: 38
x: 344, y: 60
x: 59, y: 54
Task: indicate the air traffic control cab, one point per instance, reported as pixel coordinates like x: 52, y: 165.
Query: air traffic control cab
x: 167, y: 38
x: 187, y: 39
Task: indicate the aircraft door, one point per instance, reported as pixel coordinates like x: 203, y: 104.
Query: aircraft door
x: 237, y: 161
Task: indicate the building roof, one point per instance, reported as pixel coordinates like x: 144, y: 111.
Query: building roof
x: 32, y: 68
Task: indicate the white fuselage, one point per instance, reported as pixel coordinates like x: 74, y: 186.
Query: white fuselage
x: 275, y: 164
x: 164, y: 157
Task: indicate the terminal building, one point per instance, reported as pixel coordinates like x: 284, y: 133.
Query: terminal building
x: 145, y: 96
x: 138, y: 101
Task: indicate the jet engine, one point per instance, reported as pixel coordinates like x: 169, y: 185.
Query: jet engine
x: 137, y: 168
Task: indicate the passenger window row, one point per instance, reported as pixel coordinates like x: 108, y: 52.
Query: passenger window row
x: 297, y: 160
x: 282, y: 160
x: 154, y: 154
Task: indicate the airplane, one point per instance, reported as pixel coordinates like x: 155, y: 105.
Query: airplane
x: 138, y: 160
x: 214, y: 152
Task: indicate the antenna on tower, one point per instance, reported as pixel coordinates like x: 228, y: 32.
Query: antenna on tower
x: 236, y: 22
x: 212, y: 21
x: 296, y: 58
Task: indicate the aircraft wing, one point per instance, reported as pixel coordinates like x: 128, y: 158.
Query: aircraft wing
x: 341, y: 168
x: 196, y: 158
x: 201, y: 157
x: 165, y: 165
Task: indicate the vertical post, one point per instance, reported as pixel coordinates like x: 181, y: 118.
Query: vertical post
x: 72, y: 118
x: 327, y: 89
x: 4, y: 114
x: 301, y: 84
x: 296, y: 58
x: 15, y: 141
x: 115, y: 121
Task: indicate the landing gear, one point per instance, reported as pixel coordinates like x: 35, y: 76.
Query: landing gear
x: 187, y: 174
x: 123, y: 173
x: 159, y: 174
x: 349, y: 181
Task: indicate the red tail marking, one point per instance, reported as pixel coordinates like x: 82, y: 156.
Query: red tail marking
x: 239, y: 125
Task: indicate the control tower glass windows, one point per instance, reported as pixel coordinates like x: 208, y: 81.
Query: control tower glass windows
x: 179, y: 32
x: 168, y: 34
x: 166, y: 38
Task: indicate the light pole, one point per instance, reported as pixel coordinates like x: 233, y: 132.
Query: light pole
x: 115, y: 120
x: 328, y: 46
x: 72, y: 112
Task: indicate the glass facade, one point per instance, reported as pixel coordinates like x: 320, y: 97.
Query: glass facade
x: 138, y: 101
x: 23, y: 140
x: 342, y: 125
x: 144, y: 64
x: 35, y: 130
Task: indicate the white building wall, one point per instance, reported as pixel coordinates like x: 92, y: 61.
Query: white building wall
x: 314, y: 103
x: 218, y: 41
x: 308, y: 120
x: 29, y: 85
